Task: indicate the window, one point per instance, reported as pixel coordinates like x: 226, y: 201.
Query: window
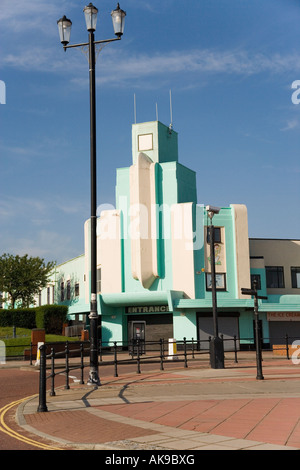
x: 274, y: 276
x: 217, y: 235
x: 68, y: 290
x: 220, y: 281
x: 77, y: 289
x: 295, y: 272
x: 62, y: 291
x: 256, y: 277
x: 48, y: 295
x: 145, y: 142
x: 98, y: 280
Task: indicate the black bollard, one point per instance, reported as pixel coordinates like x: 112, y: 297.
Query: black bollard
x: 42, y: 388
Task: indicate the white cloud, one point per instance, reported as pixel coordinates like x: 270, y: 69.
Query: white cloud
x: 12, y: 207
x: 34, y: 21
x: 291, y: 125
x: 46, y: 244
x: 27, y: 227
x: 33, y: 209
x: 116, y: 67
x: 134, y: 68
x: 19, y: 16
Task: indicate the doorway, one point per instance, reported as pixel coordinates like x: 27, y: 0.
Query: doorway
x: 228, y: 328
x: 136, y: 336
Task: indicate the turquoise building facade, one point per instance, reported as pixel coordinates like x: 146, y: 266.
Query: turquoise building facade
x: 153, y: 257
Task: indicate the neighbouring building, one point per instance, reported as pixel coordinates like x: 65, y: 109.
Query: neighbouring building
x: 153, y: 276
x: 275, y: 264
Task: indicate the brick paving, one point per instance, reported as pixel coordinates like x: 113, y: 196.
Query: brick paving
x: 194, y: 408
x: 268, y: 420
x: 76, y: 426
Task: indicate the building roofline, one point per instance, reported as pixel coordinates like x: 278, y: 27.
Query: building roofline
x: 68, y: 261
x: 278, y: 239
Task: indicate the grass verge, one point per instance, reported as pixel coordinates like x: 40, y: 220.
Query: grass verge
x: 15, y: 346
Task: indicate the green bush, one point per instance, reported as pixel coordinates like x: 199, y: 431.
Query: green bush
x: 19, y: 317
x: 24, y: 318
x: 5, y: 317
x: 49, y: 317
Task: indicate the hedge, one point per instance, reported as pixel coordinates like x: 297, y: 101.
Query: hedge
x: 19, y: 317
x: 49, y: 317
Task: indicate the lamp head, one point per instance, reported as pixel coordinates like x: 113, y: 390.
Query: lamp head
x: 118, y: 19
x: 90, y: 13
x: 212, y: 210
x: 64, y: 29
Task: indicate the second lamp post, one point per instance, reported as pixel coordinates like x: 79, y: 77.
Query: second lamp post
x: 64, y: 27
x: 216, y: 347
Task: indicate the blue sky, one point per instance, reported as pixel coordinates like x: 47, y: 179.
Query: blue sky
x: 230, y: 65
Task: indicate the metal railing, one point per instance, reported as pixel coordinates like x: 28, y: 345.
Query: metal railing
x: 28, y: 351
x: 117, y: 354
x: 137, y: 352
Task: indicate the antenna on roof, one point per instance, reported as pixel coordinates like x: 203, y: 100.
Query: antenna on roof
x: 171, y: 114
x: 134, y: 106
x: 156, y: 112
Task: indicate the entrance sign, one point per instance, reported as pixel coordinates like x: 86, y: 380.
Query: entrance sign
x: 148, y: 309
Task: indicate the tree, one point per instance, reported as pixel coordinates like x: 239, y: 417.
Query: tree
x: 22, y: 277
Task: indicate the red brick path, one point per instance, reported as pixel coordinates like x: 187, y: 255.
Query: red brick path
x: 272, y: 420
x: 82, y: 427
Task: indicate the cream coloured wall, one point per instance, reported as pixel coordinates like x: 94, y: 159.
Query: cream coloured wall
x: 182, y: 249
x: 109, y: 251
x: 284, y: 253
x: 143, y: 221
x: 242, y: 248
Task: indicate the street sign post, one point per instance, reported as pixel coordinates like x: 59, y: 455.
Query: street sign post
x: 253, y: 292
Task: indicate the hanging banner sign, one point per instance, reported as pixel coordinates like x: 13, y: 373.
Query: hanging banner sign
x: 148, y: 309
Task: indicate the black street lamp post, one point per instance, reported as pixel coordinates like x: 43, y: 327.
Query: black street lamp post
x: 254, y: 293
x: 216, y: 347
x: 64, y: 27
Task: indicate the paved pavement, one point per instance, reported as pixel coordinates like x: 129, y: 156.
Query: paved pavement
x: 178, y: 409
